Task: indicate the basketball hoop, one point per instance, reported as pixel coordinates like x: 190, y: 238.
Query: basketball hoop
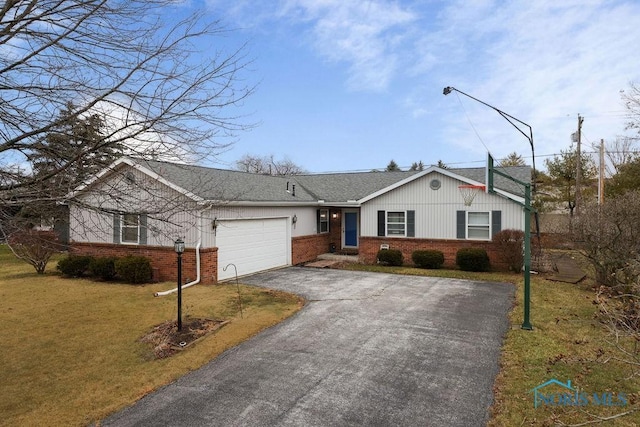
x: 469, y: 191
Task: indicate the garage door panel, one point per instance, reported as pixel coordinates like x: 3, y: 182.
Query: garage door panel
x: 252, y: 245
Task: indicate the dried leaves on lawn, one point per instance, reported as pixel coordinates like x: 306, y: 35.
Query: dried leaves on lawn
x: 165, y: 340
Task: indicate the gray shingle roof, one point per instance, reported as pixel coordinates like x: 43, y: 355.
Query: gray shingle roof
x: 222, y: 184
x: 342, y: 187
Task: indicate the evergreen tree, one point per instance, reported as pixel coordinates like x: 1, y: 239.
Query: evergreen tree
x: 513, y: 159
x: 627, y: 179
x: 562, y: 171
x: 72, y: 152
x: 419, y: 166
x: 392, y: 167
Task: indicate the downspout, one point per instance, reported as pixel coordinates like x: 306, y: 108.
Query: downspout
x: 170, y: 291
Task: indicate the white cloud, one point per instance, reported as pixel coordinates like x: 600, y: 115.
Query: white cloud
x: 543, y: 62
x: 366, y: 35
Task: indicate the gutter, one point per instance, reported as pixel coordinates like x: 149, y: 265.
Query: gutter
x: 195, y: 282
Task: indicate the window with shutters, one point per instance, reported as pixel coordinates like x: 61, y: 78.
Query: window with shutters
x: 130, y: 228
x: 397, y: 223
x: 478, y: 225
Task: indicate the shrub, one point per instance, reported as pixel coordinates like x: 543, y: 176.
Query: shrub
x: 472, y: 259
x: 429, y: 258
x: 509, y: 244
x: 609, y: 236
x: 390, y: 257
x: 74, y: 265
x: 103, y: 267
x: 134, y: 269
x: 34, y: 247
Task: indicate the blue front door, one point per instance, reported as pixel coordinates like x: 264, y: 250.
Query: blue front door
x: 351, y: 229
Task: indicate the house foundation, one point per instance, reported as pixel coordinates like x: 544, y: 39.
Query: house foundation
x: 164, y: 260
x: 369, y: 247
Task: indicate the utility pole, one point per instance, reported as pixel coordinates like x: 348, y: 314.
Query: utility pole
x: 579, y: 167
x: 601, y: 175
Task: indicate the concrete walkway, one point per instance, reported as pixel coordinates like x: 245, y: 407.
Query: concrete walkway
x: 368, y: 349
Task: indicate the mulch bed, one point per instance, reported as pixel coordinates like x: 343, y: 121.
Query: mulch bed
x: 165, y: 340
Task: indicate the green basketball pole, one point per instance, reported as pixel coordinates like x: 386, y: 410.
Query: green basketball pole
x: 518, y: 124
x: 526, y: 323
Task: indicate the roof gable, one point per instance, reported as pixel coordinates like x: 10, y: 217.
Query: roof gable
x: 474, y: 176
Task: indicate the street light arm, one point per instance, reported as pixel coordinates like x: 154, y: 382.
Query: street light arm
x: 508, y: 117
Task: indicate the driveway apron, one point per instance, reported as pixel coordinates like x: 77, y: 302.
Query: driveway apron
x: 367, y: 349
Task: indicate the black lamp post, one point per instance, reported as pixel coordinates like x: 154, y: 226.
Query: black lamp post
x: 178, y: 246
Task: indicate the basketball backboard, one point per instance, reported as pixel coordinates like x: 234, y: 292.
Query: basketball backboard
x: 490, y: 174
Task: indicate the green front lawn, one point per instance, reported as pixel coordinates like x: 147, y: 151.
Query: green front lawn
x: 72, y: 355
x: 70, y: 347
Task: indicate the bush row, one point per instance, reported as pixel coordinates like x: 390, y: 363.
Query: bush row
x: 468, y: 259
x: 130, y: 269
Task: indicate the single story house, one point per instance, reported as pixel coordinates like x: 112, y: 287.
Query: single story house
x: 258, y: 222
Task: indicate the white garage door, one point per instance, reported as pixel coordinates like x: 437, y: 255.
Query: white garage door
x: 252, y: 245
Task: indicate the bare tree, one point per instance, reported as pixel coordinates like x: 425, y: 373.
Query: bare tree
x: 609, y: 239
x: 631, y: 99
x: 121, y: 61
x: 621, y: 151
x: 34, y: 247
x: 145, y: 78
x: 268, y: 165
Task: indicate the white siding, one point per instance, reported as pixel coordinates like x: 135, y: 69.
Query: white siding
x: 305, y: 224
x: 435, y: 210
x: 170, y: 214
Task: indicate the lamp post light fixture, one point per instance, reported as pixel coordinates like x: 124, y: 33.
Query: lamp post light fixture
x: 528, y: 209
x: 178, y: 246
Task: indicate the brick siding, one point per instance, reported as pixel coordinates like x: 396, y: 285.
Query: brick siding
x: 303, y: 249
x: 307, y: 248
x: 369, y: 247
x: 164, y: 260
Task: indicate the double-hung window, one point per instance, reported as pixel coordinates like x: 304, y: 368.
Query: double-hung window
x: 396, y: 224
x: 478, y: 225
x: 130, y: 228
x: 323, y: 220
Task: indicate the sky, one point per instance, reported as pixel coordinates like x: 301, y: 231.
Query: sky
x: 348, y: 85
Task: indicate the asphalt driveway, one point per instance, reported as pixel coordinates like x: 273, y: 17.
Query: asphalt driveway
x: 368, y: 349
